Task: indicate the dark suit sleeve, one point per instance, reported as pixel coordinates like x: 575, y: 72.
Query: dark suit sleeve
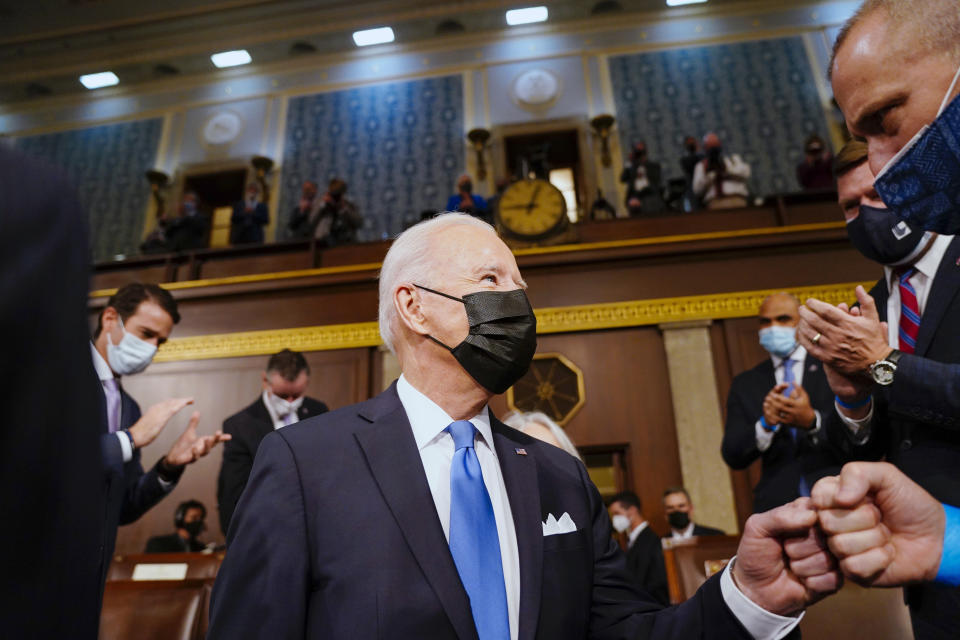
x: 616, y: 611
x: 141, y: 490
x: 234, y: 471
x: 739, y: 447
x: 927, y: 391
x: 112, y: 452
x: 264, y: 582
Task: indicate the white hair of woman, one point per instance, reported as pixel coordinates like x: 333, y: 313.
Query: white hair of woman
x: 409, y: 262
x: 541, y: 426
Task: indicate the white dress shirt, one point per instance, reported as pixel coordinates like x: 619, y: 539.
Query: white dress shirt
x: 428, y: 422
x: 105, y: 373
x: 686, y: 534
x: 799, y: 358
x: 738, y: 172
x: 636, y: 534
x: 922, y: 283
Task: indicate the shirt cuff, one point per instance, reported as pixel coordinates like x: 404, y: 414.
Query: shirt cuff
x: 759, y: 623
x: 860, y: 429
x: 126, y: 448
x: 949, y: 571
x: 764, y: 437
x: 816, y: 423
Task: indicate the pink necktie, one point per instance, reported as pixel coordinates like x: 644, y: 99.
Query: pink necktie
x: 111, y: 389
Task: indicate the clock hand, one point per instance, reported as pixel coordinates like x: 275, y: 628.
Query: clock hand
x: 533, y: 199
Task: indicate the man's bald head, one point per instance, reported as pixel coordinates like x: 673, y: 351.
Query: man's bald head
x: 892, y: 69
x: 781, y: 309
x: 917, y: 27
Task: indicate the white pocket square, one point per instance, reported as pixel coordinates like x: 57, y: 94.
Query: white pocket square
x: 552, y: 526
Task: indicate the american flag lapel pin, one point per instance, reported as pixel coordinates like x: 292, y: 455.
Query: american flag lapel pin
x: 521, y: 452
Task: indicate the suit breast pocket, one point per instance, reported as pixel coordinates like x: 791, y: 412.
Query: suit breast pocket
x: 565, y: 541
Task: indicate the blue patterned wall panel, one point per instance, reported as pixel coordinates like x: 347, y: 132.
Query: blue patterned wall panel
x: 399, y: 146
x: 107, y: 164
x: 759, y: 96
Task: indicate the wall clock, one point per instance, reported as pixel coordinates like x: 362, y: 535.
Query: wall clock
x: 222, y: 128
x: 532, y: 210
x: 536, y: 89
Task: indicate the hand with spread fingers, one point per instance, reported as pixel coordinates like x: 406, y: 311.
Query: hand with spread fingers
x: 846, y: 340
x: 783, y: 564
x: 884, y: 529
x: 190, y: 447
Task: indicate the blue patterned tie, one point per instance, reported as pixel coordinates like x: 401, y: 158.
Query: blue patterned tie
x: 803, y: 489
x: 474, y: 543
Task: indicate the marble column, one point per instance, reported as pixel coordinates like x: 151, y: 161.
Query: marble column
x: 699, y: 423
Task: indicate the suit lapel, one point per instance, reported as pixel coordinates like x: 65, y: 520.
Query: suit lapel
x: 395, y: 464
x: 520, y: 479
x: 940, y: 297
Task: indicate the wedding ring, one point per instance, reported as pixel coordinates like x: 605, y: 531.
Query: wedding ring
x: 816, y: 338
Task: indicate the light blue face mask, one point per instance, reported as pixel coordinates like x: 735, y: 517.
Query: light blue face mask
x: 131, y: 356
x: 779, y: 341
x: 921, y: 184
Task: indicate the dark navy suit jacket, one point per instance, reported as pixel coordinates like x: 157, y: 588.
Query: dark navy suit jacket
x: 915, y: 430
x: 787, y: 459
x: 130, y: 491
x: 337, y: 536
x: 915, y: 424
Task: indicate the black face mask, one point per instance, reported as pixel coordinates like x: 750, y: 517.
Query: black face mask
x: 466, y: 187
x: 679, y: 520
x: 502, y: 339
x: 877, y: 234
x: 194, y: 528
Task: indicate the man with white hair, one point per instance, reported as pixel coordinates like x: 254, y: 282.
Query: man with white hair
x: 418, y: 514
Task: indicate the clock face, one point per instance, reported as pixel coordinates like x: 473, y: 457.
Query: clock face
x: 536, y: 88
x: 222, y: 127
x: 532, y: 208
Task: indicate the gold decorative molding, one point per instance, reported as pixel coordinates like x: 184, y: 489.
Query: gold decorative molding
x: 638, y: 313
x: 563, y: 248
x: 260, y: 343
x: 590, y: 317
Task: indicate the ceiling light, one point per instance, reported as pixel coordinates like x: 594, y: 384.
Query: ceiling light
x: 231, y: 58
x: 526, y: 16
x: 368, y: 37
x: 97, y: 80
x: 680, y: 3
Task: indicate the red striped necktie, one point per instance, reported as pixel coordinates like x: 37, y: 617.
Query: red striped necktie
x: 909, y: 312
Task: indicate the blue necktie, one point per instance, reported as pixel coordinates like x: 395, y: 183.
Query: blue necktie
x: 788, y: 378
x: 474, y: 543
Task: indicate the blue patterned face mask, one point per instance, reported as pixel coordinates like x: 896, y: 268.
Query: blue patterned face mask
x: 922, y: 182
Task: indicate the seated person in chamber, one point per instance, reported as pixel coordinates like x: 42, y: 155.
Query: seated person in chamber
x: 465, y: 200
x: 542, y: 427
x: 249, y: 217
x: 188, y: 520
x: 644, y: 551
x: 679, y: 509
x: 720, y: 180
x: 644, y: 181
x: 332, y: 220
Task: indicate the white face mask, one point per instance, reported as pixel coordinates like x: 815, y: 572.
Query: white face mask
x: 131, y: 356
x: 621, y: 523
x: 284, y: 407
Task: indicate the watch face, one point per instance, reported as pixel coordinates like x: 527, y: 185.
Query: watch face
x: 883, y: 372
x: 531, y: 208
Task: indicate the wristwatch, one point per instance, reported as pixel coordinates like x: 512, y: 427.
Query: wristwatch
x: 882, y: 370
